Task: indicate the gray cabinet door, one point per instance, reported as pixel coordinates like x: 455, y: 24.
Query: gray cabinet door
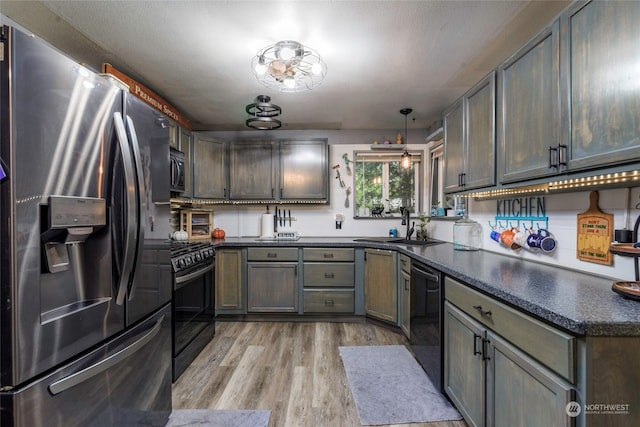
x: 480, y: 134
x: 304, y: 170
x: 229, y: 281
x: 453, y: 148
x: 602, y: 48
x: 522, y: 392
x: 464, y: 368
x: 252, y: 170
x: 381, y: 285
x: 209, y: 168
x: 272, y: 287
x: 528, y: 109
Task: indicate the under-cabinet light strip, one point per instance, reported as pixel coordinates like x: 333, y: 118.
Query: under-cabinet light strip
x: 610, y: 179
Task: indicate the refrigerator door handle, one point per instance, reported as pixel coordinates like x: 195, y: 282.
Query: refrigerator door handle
x: 89, y: 372
x: 142, y: 205
x: 130, y: 181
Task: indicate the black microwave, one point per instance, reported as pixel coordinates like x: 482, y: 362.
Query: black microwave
x: 177, y: 170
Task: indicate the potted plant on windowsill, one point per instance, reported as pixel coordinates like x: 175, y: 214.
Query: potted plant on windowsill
x: 422, y: 226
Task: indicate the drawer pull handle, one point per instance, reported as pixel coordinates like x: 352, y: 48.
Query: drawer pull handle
x: 475, y: 344
x: 328, y: 303
x: 481, y: 311
x: 329, y: 275
x: 329, y: 255
x: 272, y: 255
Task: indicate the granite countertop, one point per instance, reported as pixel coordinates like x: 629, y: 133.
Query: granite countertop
x: 580, y: 303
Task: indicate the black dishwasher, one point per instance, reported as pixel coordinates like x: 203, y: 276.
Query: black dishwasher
x: 426, y: 320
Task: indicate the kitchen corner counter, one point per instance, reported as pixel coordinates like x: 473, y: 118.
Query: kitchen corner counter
x: 581, y: 303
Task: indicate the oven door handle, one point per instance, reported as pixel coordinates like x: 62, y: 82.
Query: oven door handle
x: 183, y: 279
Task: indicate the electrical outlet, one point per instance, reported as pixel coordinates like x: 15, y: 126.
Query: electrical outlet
x: 339, y: 219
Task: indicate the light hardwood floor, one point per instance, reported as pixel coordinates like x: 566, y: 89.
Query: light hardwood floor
x: 291, y: 368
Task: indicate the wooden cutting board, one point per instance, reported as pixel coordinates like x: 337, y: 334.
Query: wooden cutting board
x: 595, y: 233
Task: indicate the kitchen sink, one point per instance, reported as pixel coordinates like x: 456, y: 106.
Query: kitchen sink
x: 399, y: 241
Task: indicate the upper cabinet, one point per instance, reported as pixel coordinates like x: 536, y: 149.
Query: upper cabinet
x: 304, y: 170
x: 453, y: 123
x: 528, y: 109
x: 470, y: 138
x: 261, y: 170
x: 252, y: 170
x: 601, y: 45
x: 210, y: 168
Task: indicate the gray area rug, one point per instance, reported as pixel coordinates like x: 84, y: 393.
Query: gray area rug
x: 218, y: 418
x: 390, y: 387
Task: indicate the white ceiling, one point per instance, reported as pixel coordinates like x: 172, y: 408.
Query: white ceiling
x: 381, y: 56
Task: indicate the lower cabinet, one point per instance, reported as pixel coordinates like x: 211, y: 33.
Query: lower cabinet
x: 328, y: 280
x: 381, y: 284
x: 493, y: 382
x: 272, y: 280
x: 228, y: 281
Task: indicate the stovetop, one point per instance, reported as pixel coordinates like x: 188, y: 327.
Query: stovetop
x: 188, y: 256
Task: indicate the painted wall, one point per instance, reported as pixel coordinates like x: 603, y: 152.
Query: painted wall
x: 319, y: 221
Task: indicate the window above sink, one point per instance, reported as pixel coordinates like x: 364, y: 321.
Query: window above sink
x: 382, y: 186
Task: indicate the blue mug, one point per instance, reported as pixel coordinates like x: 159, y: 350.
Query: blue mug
x: 542, y: 240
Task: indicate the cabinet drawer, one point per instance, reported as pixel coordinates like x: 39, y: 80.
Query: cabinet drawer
x: 326, y: 274
x: 272, y: 254
x: 328, y: 301
x: 550, y: 346
x: 328, y: 254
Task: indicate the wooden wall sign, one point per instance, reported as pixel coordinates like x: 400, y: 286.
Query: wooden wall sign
x: 148, y: 96
x: 595, y: 230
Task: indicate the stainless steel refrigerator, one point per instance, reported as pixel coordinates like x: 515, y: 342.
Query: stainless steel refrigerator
x: 85, y: 319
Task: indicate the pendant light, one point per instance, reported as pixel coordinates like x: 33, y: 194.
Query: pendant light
x: 405, y: 160
x: 263, y: 114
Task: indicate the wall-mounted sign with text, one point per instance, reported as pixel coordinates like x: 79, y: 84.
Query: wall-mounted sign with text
x: 148, y: 96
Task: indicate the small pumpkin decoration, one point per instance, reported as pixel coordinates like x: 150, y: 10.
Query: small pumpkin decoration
x: 217, y: 233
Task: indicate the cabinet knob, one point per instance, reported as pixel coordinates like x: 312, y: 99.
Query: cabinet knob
x: 272, y: 255
x: 329, y: 275
x: 328, y: 255
x: 328, y: 303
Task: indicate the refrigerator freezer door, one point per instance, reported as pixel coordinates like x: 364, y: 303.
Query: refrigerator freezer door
x: 148, y: 133
x: 58, y: 139
x: 125, y: 382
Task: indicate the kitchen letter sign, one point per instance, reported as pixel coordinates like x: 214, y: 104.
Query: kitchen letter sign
x: 594, y: 233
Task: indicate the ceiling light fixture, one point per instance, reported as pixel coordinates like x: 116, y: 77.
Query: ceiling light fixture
x: 263, y: 114
x: 288, y: 66
x: 405, y: 160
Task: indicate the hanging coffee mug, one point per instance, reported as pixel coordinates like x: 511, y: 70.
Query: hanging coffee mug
x: 542, y: 240
x: 507, y: 238
x: 521, y: 237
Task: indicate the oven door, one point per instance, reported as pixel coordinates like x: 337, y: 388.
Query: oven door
x: 193, y: 316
